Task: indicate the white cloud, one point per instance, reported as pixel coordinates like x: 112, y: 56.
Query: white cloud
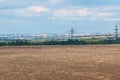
x: 28, y: 11
x: 37, y: 9
x: 84, y: 13
x: 31, y: 11
x: 62, y: 12
x: 106, y: 13
x: 71, y: 12
x: 101, y: 16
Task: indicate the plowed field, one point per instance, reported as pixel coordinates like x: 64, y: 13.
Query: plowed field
x: 90, y: 62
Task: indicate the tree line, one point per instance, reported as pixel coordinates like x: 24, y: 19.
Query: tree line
x: 55, y: 42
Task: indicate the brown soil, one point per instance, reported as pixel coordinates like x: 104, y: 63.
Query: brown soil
x: 91, y: 62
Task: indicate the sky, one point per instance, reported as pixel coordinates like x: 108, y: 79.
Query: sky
x: 58, y: 16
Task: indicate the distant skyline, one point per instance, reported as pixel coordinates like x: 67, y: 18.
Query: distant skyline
x: 58, y: 16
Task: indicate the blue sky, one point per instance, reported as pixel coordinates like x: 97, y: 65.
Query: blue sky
x: 57, y: 16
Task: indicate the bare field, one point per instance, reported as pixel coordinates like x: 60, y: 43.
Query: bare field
x: 90, y: 62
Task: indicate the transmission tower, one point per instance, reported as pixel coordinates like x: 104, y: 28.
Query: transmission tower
x: 116, y: 32
x: 71, y: 33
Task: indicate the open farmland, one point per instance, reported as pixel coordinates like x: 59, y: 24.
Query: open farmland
x: 90, y: 62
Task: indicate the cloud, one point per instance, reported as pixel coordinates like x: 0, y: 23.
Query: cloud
x: 103, y: 13
x: 32, y: 11
x: 101, y: 16
x: 28, y: 11
x: 37, y: 9
x: 85, y: 13
x: 71, y: 12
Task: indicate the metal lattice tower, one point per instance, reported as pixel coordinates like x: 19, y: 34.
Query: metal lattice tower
x: 71, y: 33
x: 116, y: 32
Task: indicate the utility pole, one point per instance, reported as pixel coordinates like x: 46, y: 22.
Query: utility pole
x: 116, y: 32
x: 72, y: 33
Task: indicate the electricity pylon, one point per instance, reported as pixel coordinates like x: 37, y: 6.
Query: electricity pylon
x: 72, y: 33
x: 116, y: 32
